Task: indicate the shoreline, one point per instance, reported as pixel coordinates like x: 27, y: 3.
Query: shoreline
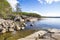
x: 53, y: 34
x: 43, y: 33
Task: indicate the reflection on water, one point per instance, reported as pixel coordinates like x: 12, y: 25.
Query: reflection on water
x: 45, y: 23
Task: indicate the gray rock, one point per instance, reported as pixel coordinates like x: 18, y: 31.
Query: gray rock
x: 3, y: 30
x: 23, y: 28
x: 18, y: 18
x: 9, y: 25
x: 11, y: 29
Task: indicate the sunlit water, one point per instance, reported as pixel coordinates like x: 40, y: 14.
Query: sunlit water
x: 45, y: 23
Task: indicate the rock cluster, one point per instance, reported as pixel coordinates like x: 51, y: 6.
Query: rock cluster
x: 17, y: 23
x: 9, y: 25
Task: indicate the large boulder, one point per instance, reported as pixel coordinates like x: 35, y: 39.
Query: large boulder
x: 3, y: 30
x: 11, y: 29
x: 1, y: 21
x: 18, y: 18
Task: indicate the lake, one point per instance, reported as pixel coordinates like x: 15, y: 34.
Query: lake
x: 45, y: 23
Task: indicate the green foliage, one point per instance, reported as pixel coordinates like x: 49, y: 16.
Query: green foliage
x: 30, y: 14
x: 6, y: 11
x: 19, y: 34
x: 4, y: 8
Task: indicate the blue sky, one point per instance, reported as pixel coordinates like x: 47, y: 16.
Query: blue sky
x: 43, y: 7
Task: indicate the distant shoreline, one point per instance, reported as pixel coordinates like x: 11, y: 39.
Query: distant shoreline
x: 49, y: 17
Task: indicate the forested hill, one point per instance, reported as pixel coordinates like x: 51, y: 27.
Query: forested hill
x: 6, y: 10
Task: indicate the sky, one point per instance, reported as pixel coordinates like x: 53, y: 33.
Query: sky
x: 42, y: 7
x: 13, y: 4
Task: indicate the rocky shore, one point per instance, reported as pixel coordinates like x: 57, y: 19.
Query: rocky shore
x: 49, y: 34
x: 9, y: 25
x: 18, y: 23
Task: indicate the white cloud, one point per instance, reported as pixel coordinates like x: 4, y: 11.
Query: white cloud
x: 40, y: 1
x: 33, y: 11
x: 49, y: 1
x: 13, y: 3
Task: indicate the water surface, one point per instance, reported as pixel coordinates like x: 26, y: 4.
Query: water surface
x: 45, y: 23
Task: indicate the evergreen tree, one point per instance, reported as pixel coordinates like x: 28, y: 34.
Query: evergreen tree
x: 18, y: 9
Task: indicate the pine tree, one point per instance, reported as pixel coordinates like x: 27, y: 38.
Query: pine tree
x: 18, y: 9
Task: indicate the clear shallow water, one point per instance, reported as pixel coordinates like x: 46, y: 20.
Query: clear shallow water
x: 45, y: 23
